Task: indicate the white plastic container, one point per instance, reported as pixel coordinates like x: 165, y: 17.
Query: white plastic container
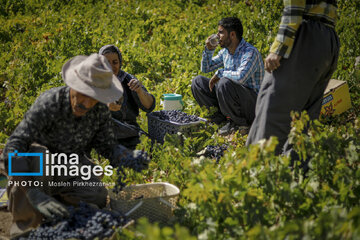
x: 172, y: 101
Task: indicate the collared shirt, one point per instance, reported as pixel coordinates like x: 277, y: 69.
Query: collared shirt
x: 51, y: 122
x: 131, y: 105
x: 245, y: 66
x: 294, y: 13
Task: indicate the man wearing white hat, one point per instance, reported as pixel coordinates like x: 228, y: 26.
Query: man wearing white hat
x: 67, y: 120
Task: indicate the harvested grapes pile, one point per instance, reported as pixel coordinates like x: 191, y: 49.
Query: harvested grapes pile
x: 175, y: 116
x: 84, y: 222
x: 165, y: 122
x: 215, y: 151
x: 137, y: 161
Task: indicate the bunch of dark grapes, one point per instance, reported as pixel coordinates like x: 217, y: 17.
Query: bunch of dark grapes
x: 215, y: 151
x: 138, y: 161
x: 84, y: 222
x: 175, y: 116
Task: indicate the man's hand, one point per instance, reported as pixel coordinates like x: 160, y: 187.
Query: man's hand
x: 135, y: 85
x: 46, y: 205
x: 272, y: 62
x: 114, y: 106
x: 213, y: 81
x: 208, y: 44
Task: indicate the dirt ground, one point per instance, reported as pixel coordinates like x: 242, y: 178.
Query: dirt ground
x: 5, y: 219
x: 5, y: 222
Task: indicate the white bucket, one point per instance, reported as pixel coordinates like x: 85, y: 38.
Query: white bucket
x: 172, y: 101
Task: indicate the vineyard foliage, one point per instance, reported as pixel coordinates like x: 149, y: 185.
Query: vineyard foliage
x: 251, y: 193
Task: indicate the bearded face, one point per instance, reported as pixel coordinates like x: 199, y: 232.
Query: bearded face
x: 224, y: 36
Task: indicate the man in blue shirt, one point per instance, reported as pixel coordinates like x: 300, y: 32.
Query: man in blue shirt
x: 234, y: 86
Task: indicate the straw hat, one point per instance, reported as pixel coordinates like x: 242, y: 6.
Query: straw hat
x: 92, y: 76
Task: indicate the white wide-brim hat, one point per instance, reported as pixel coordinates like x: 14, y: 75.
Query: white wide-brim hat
x: 92, y: 76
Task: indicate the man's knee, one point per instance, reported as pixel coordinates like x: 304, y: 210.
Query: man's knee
x: 21, y: 209
x: 197, y: 82
x: 224, y: 85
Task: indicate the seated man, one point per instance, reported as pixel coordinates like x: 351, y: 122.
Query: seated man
x: 65, y: 121
x: 233, y: 88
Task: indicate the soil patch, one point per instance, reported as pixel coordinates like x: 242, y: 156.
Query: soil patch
x: 5, y: 223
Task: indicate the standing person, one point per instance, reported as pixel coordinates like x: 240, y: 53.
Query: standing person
x: 64, y: 121
x: 301, y: 61
x: 234, y: 86
x: 135, y: 97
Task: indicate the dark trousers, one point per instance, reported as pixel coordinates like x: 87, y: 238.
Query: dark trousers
x: 297, y: 85
x: 232, y: 99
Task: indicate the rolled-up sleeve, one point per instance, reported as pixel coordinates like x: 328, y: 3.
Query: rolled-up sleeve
x: 210, y: 63
x: 140, y: 105
x: 290, y: 23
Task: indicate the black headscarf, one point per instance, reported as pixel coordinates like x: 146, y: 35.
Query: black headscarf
x: 111, y: 49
